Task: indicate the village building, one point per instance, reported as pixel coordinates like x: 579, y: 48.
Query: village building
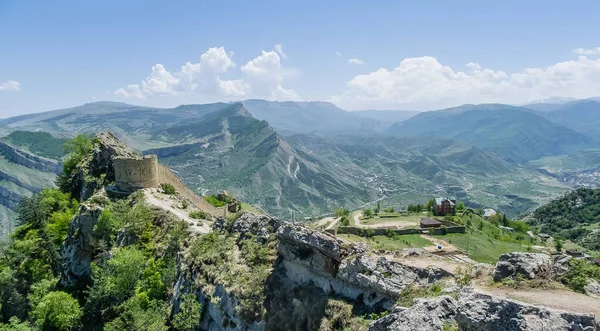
x: 427, y: 222
x: 444, y: 206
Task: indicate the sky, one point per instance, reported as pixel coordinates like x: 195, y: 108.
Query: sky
x: 413, y: 55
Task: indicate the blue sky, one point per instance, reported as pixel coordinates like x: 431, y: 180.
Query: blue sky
x: 407, y: 55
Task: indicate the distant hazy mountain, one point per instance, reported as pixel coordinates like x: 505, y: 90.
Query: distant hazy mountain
x: 580, y: 115
x: 392, y: 116
x: 312, y: 117
x: 517, y: 134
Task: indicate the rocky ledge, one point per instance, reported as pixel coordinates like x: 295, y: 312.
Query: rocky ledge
x: 475, y: 311
x: 347, y: 270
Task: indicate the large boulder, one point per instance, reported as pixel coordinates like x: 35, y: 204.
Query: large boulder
x: 592, y: 287
x: 425, y: 315
x: 482, y: 312
x: 528, y: 265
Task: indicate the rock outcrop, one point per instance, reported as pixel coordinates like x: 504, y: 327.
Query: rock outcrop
x: 527, y: 265
x: 592, y: 287
x: 260, y: 226
x: 476, y: 311
x: 80, y: 247
x: 317, y: 258
x: 98, y: 169
x: 425, y: 315
x: 481, y: 312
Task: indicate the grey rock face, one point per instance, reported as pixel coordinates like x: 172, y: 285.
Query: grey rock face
x: 528, y: 265
x: 346, y: 270
x: 592, y: 287
x: 310, y: 239
x: 481, y: 312
x: 79, y: 247
x: 425, y: 315
x: 561, y: 265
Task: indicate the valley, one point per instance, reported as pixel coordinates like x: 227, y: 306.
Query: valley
x: 311, y: 157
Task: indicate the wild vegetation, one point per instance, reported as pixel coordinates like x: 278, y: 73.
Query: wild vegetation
x: 571, y: 217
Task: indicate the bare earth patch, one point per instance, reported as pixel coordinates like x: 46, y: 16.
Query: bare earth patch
x: 169, y: 203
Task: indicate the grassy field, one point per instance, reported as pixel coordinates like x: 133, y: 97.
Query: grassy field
x: 483, y: 246
x: 400, y: 242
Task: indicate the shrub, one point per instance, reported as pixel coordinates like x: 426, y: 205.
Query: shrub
x: 339, y: 212
x: 168, y: 189
x: 199, y: 214
x: 462, y: 275
x: 188, y: 317
x: 580, y: 272
x: 367, y: 213
x: 213, y: 200
x: 57, y: 310
x: 389, y: 210
x: 185, y: 204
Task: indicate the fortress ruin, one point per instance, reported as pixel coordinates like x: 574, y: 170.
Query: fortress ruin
x: 136, y: 173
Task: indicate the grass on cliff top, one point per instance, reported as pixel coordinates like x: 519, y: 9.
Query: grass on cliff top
x: 484, y: 246
x: 390, y: 244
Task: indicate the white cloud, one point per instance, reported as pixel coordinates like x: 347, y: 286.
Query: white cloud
x: 265, y: 76
x: 262, y: 77
x: 10, y: 85
x: 356, y: 61
x: 338, y: 54
x: 424, y: 83
x: 584, y: 51
x: 279, y: 50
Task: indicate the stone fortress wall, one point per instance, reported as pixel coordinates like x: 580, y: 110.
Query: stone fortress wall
x: 133, y: 174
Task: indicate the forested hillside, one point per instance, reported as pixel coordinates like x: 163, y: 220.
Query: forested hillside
x: 575, y: 216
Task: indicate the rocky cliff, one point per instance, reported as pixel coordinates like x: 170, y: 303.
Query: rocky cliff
x: 29, y: 160
x: 254, y: 272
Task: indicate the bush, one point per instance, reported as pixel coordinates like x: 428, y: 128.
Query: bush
x: 199, y: 214
x: 168, y: 189
x: 339, y: 212
x: 213, y: 200
x: 367, y: 213
x: 389, y: 210
x: 580, y: 272
x: 188, y: 317
x: 57, y: 310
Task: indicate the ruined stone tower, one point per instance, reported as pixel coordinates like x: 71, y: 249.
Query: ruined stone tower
x: 132, y: 174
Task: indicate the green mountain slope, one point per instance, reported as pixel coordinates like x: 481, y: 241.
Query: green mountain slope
x: 575, y: 215
x: 23, y: 172
x: 245, y: 156
x: 580, y: 115
x: 516, y: 134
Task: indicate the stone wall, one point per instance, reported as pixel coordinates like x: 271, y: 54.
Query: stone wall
x: 132, y: 174
x: 368, y: 232
x: 165, y: 175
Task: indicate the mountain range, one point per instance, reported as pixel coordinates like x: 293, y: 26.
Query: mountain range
x: 310, y: 157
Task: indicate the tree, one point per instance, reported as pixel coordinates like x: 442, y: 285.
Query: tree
x: 76, y: 149
x: 429, y: 205
x: 558, y: 244
x: 389, y: 210
x: 367, y: 213
x: 505, y: 221
x: 339, y: 212
x: 58, y: 310
x: 480, y: 226
x: 188, y: 317
x: 377, y: 208
x: 461, y: 206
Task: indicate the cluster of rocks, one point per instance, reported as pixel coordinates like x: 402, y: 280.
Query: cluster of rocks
x: 531, y: 266
x: 475, y: 311
x: 260, y: 226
